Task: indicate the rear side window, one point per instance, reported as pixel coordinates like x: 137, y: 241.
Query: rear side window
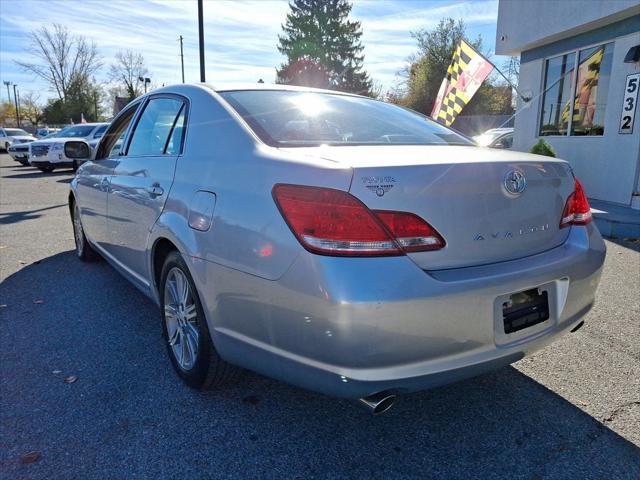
x: 156, y: 124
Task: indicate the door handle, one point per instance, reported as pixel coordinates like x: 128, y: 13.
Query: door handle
x: 155, y: 190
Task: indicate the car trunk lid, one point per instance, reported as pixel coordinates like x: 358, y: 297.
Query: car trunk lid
x: 462, y: 193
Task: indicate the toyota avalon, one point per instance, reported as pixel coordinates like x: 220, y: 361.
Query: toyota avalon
x: 336, y: 242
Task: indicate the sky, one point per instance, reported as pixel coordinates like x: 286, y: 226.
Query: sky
x: 240, y: 36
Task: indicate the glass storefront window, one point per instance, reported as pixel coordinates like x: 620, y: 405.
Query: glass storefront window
x: 558, y: 78
x: 575, y: 94
x: 594, y: 71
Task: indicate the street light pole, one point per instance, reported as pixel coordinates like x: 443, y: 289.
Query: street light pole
x: 201, y: 40
x: 182, y: 58
x: 7, y: 83
x: 15, y: 99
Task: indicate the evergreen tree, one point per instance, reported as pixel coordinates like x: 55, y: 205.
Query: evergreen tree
x: 323, y: 47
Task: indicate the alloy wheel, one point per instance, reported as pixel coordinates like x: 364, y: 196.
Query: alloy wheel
x: 77, y: 231
x: 181, y: 315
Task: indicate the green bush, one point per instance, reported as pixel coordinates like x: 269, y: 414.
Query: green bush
x: 543, y: 148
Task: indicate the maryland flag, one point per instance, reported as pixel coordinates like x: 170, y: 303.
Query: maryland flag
x: 466, y: 73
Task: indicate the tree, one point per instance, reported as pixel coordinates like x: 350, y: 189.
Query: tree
x: 429, y: 66
x: 31, y: 108
x: 323, y: 47
x: 62, y: 60
x: 126, y: 70
x: 8, y: 114
x: 83, y: 99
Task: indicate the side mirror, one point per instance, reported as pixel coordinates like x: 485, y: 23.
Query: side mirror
x: 499, y: 145
x: 77, y: 150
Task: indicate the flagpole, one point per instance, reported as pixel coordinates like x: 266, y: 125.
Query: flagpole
x: 524, y: 99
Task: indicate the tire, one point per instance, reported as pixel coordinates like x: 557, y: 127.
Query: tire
x: 182, y: 314
x: 84, y: 250
x: 46, y: 169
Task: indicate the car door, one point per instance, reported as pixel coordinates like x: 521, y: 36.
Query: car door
x: 92, y: 180
x: 141, y: 180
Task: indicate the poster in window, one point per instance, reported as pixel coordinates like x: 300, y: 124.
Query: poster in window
x: 631, y: 87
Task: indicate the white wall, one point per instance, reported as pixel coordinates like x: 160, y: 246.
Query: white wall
x: 525, y: 24
x: 607, y: 165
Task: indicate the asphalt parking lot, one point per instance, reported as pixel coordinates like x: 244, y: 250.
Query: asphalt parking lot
x: 570, y: 411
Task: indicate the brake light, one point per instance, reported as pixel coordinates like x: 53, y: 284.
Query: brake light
x: 333, y: 222
x: 410, y: 231
x: 577, y: 210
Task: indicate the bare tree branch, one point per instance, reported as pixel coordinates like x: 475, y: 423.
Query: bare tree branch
x: 61, y: 60
x: 126, y: 70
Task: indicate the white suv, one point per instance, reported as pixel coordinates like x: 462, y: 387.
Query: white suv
x: 48, y: 154
x: 10, y: 136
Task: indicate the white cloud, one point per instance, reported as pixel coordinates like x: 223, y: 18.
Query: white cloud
x: 241, y: 36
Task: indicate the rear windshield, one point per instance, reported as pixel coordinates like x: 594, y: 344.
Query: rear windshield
x: 285, y: 118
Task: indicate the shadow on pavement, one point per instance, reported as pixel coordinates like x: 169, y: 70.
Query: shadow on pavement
x: 35, y: 173
x: 128, y: 415
x: 15, y: 217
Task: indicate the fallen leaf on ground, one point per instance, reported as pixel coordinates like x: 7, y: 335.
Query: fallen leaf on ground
x: 56, y: 372
x: 30, y: 457
x: 4, y: 305
x: 70, y: 379
x: 38, y: 302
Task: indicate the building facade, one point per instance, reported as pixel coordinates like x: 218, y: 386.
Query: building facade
x: 579, y: 65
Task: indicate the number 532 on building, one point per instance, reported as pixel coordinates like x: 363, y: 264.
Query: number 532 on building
x: 631, y: 88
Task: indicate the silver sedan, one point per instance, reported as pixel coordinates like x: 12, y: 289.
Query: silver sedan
x: 333, y: 241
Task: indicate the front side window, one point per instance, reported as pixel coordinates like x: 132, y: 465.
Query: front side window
x: 575, y: 92
x: 113, y: 141
x: 151, y: 134
x: 285, y: 118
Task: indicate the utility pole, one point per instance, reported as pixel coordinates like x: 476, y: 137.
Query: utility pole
x: 7, y: 83
x: 95, y: 104
x: 182, y: 58
x: 15, y: 99
x: 201, y: 40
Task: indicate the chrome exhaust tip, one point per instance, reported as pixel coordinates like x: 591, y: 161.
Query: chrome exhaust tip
x: 378, y: 402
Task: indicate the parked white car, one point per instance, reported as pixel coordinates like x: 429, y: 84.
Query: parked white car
x: 496, y: 138
x: 48, y: 154
x: 10, y: 136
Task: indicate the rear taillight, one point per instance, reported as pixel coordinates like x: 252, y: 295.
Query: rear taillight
x: 333, y: 222
x: 577, y: 210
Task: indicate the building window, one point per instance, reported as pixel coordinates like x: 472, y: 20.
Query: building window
x: 575, y: 104
x: 558, y: 78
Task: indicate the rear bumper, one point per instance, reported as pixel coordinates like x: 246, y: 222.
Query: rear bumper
x: 351, y: 327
